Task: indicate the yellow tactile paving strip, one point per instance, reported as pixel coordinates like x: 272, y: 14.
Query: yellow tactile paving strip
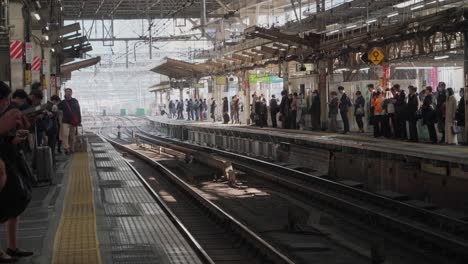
x: 76, y: 238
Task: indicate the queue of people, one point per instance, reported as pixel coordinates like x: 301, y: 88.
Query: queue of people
x: 392, y: 113
x: 21, y: 132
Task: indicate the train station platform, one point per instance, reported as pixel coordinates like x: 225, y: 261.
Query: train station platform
x: 98, y: 211
x: 432, y: 173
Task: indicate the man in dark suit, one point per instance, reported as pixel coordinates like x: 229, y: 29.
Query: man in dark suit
x: 345, y: 103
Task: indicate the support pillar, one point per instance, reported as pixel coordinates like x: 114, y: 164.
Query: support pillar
x: 16, y: 33
x: 181, y: 94
x: 465, y: 71
x: 323, y: 90
x: 285, y: 75
x: 247, y: 96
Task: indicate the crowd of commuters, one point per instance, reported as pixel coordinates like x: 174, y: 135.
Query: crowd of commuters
x: 21, y: 132
x: 391, y: 111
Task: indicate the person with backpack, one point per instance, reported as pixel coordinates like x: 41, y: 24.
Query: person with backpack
x: 213, y: 110
x: 345, y: 104
x: 71, y: 119
x: 359, y: 105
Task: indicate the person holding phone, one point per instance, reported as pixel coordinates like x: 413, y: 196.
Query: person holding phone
x: 15, y: 188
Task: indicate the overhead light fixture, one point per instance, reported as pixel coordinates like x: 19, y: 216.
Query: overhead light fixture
x: 441, y: 57
x: 341, y: 70
x: 47, y: 28
x: 371, y: 21
x: 52, y: 49
x: 416, y: 7
x: 333, y: 31
x: 46, y: 38
x: 38, y: 4
x: 351, y: 26
x: 413, y: 68
x: 430, y: 3
x: 36, y: 15
x: 61, y: 8
x: 364, y: 69
x: 392, y: 15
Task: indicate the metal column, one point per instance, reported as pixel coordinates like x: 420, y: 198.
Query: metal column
x: 465, y: 70
x: 16, y: 66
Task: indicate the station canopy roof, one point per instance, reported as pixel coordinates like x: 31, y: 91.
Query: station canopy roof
x: 136, y: 9
x: 160, y: 86
x: 180, y: 69
x: 73, y: 66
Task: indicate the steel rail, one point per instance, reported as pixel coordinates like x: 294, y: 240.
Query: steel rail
x: 267, y: 251
x: 457, y: 245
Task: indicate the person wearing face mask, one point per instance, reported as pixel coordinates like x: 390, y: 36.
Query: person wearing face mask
x: 413, y: 106
x: 344, y: 105
x: 450, y: 121
x: 315, y: 110
x: 460, y: 116
x: 441, y: 97
x: 71, y: 119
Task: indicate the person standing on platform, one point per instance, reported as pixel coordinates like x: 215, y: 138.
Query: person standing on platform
x: 460, y: 117
x: 205, y: 109
x: 19, y: 99
x: 294, y: 111
x: 201, y: 109
x: 192, y: 109
x: 301, y: 111
x: 263, y: 113
x: 171, y: 108
x: 370, y: 108
x: 233, y: 101
x: 359, y: 105
x: 188, y: 106
x: 273, y: 111
x: 71, y: 119
x: 450, y: 120
x: 225, y: 110
x: 54, y: 128
x: 177, y: 103
x: 213, y: 110
x: 196, y: 108
x: 377, y: 106
x: 236, y: 109
x: 441, y: 97
x: 389, y: 117
x: 333, y: 112
x: 344, y: 105
x: 315, y: 109
x: 401, y: 113
x: 284, y: 109
x: 428, y: 112
x: 413, y: 107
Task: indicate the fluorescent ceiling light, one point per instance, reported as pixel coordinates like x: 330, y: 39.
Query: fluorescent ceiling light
x: 392, y: 15
x: 352, y: 26
x: 46, y: 37
x: 430, y: 3
x: 52, y: 49
x: 413, y: 68
x: 441, y: 57
x: 364, y: 69
x: 342, y: 69
x: 416, y: 7
x: 408, y: 3
x: 371, y: 21
x: 37, y: 16
x: 333, y: 31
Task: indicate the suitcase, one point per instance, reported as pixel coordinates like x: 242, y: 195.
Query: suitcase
x: 44, y: 162
x: 81, y: 145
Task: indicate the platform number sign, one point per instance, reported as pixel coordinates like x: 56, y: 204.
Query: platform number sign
x: 376, y: 56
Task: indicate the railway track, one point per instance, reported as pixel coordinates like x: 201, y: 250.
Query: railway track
x: 426, y: 231
x: 220, y: 235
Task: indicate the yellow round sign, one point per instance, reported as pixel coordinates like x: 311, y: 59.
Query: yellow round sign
x: 376, y: 56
